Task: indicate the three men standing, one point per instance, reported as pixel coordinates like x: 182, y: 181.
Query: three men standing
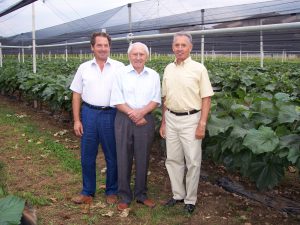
x: 134, y: 90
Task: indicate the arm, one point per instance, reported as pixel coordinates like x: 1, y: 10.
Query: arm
x: 162, y: 129
x: 76, y: 103
x: 200, y: 131
x: 137, y: 114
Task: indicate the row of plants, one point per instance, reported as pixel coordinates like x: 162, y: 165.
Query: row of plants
x: 254, y: 124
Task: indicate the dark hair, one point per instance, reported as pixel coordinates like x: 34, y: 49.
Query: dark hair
x: 100, y: 34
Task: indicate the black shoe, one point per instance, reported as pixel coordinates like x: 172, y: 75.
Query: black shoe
x: 189, y: 208
x: 172, y: 202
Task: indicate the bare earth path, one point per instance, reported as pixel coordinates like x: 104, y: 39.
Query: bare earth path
x: 41, y: 158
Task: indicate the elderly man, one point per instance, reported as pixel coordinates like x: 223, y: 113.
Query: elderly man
x: 135, y: 93
x: 92, y: 83
x: 186, y: 92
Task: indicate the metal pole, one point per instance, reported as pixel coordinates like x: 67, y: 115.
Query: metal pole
x: 261, y: 48
x: 1, y: 57
x: 129, y: 21
x: 202, y: 36
x: 33, y: 41
x: 66, y: 53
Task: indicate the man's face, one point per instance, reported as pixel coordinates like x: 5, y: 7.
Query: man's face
x: 182, y: 47
x: 138, y: 57
x: 101, y: 48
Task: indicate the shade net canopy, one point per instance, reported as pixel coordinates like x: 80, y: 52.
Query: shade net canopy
x: 165, y: 16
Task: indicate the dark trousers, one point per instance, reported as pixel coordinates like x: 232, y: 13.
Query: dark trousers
x: 133, y: 142
x: 98, y: 128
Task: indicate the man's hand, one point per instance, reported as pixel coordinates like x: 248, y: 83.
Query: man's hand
x: 141, y: 122
x: 200, y: 131
x: 162, y: 130
x: 136, y: 115
x: 78, y: 129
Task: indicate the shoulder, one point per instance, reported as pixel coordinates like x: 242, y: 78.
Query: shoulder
x: 85, y: 65
x: 170, y: 65
x: 197, y: 65
x: 115, y: 62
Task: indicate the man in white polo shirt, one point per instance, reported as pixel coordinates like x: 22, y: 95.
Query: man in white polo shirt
x: 186, y: 92
x: 92, y: 86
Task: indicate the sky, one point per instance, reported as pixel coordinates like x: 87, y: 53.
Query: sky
x: 53, y: 12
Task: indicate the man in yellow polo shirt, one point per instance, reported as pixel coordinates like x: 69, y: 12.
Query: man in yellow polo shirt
x: 186, y: 92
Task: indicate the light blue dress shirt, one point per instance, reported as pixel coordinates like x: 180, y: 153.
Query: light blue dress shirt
x: 137, y: 90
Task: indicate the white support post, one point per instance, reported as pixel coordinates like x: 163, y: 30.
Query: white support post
x: 261, y: 48
x: 1, y: 57
x: 240, y: 55
x: 66, y: 53
x: 33, y: 40
x: 202, y: 37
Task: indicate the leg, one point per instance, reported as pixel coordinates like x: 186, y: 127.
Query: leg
x: 108, y: 142
x: 124, y: 143
x: 175, y: 157
x: 143, y: 139
x: 89, y: 150
x: 193, y: 155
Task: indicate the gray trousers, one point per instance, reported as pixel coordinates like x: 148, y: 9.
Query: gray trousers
x: 133, y: 142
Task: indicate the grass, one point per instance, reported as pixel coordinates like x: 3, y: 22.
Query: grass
x: 26, y: 130
x: 37, y: 144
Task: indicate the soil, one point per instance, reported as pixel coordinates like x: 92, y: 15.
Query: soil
x: 33, y: 175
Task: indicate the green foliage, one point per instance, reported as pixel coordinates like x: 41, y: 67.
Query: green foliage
x: 11, y: 209
x: 254, y: 124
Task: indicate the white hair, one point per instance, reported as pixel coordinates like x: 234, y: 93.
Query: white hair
x: 131, y: 46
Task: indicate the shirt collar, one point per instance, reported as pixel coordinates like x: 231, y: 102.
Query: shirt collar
x: 130, y: 68
x: 187, y: 60
x: 108, y: 61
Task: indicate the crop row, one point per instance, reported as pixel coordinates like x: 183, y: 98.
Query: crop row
x: 254, y: 124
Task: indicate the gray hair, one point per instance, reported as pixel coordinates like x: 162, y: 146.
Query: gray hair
x: 185, y: 34
x: 138, y: 44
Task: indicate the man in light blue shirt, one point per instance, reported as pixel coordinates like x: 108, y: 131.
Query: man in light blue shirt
x: 135, y: 93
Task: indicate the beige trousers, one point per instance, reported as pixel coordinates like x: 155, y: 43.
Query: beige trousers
x: 183, y: 151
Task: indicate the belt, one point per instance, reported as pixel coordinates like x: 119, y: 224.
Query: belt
x: 97, y: 107
x: 184, y: 113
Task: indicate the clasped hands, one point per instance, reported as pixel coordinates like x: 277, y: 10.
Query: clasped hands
x: 137, y: 116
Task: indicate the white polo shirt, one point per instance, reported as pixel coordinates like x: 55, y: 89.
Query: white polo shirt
x: 93, y: 84
x: 137, y: 90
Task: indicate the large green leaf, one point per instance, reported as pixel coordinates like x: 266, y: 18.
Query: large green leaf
x: 262, y: 140
x: 266, y: 174
x: 287, y: 114
x: 218, y: 125
x: 282, y: 97
x: 292, y: 142
x: 11, y: 209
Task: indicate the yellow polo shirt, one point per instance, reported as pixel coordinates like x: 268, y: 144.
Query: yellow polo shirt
x: 184, y: 85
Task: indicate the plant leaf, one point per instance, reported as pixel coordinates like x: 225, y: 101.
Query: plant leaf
x: 292, y: 142
x: 266, y: 174
x: 262, y: 140
x: 11, y: 209
x: 218, y: 125
x: 287, y: 114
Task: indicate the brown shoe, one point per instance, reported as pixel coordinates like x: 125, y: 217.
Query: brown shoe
x: 111, y: 199
x: 122, y: 206
x: 82, y: 199
x: 147, y: 202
